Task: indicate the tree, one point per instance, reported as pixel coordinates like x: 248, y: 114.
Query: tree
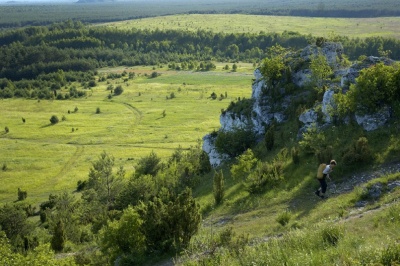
x: 58, y: 240
x: 270, y: 138
x: 13, y: 221
x: 218, y: 187
x: 246, y: 162
x: 148, y: 165
x: 118, y: 90
x: 235, y: 142
x: 124, y: 238
x: 273, y: 66
x: 234, y: 67
x: 103, y: 181
x: 54, y: 119
x: 320, y: 70
x: 169, y: 221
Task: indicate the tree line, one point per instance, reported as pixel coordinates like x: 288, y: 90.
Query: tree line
x: 36, y: 53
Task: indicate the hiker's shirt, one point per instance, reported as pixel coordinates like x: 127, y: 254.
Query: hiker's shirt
x: 327, y: 170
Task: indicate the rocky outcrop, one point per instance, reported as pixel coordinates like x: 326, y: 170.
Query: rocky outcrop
x: 373, y: 121
x: 265, y: 110
x: 349, y: 77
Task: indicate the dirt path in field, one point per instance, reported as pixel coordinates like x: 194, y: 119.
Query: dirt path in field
x: 135, y: 111
x: 70, y: 163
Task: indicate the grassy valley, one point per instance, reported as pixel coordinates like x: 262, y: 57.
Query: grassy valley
x: 47, y: 158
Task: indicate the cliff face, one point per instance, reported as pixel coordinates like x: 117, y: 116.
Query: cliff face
x: 265, y: 109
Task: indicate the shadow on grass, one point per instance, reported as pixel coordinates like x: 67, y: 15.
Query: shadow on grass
x: 48, y: 125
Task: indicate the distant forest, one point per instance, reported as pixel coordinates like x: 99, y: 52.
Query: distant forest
x: 33, y: 57
x: 16, y: 15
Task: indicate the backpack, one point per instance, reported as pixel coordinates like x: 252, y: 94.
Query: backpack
x: 321, y: 168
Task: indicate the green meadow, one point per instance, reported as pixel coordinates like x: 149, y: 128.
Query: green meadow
x: 42, y: 158
x: 238, y: 23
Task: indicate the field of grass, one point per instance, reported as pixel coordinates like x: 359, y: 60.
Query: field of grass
x: 42, y: 158
x: 238, y: 23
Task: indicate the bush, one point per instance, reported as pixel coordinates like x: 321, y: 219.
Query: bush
x: 98, y: 110
x: 391, y: 255
x: 270, y: 138
x: 264, y: 174
x: 331, y: 234
x: 359, y: 152
x: 284, y: 218
x: 6, y: 129
x: 235, y: 142
x: 22, y: 194
x: 118, y: 90
x: 81, y: 185
x: 4, y: 167
x: 295, y: 155
x: 54, y: 119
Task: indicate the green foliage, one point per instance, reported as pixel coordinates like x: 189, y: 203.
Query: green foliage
x: 284, y: 217
x: 4, y: 167
x: 375, y: 87
x: 324, y: 154
x: 148, y: 165
x: 170, y: 221
x: 218, y: 187
x: 22, y: 194
x: 123, y: 238
x: 391, y: 255
x: 102, y: 179
x: 41, y: 255
x: 98, y: 110
x: 227, y: 238
x: 54, y: 119
x: 6, y: 129
x: 67, y: 210
x: 13, y: 221
x: 245, y: 163
x: 242, y: 107
x: 320, y: 41
x: 235, y: 142
x: 272, y: 67
x: 358, y: 152
x: 331, y: 234
x: 313, y: 141
x: 139, y: 189
x: 320, y: 70
x: 118, y: 90
x: 295, y: 155
x: 265, y: 175
x: 59, y: 238
x: 270, y: 138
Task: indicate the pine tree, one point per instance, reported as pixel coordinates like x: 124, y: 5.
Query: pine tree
x: 218, y: 187
x: 59, y: 238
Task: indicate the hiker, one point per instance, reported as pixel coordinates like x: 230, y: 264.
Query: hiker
x: 323, y: 173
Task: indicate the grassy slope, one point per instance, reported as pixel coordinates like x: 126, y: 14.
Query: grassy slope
x: 235, y: 23
x: 48, y: 158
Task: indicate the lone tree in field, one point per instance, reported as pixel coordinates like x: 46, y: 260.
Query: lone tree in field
x: 118, y: 90
x: 54, y: 119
